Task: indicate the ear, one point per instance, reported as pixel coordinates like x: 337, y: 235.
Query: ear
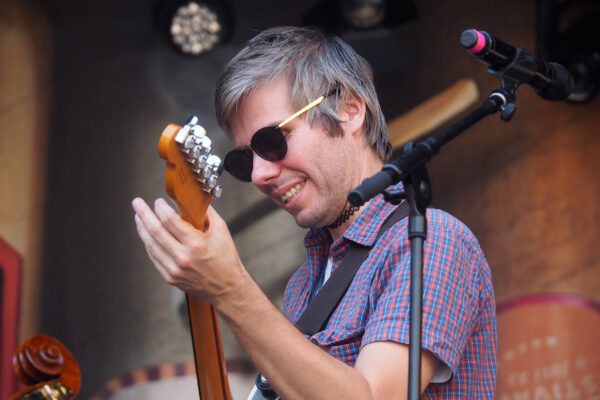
x: 352, y: 115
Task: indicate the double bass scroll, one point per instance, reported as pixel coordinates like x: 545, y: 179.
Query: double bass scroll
x: 48, y: 369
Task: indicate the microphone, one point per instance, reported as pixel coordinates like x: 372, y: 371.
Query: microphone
x: 551, y: 81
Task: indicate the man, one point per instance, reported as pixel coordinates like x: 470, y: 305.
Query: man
x: 325, y: 134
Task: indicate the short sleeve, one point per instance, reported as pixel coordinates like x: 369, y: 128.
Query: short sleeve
x: 452, y: 259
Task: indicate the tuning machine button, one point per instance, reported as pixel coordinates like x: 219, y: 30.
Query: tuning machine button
x: 183, y: 135
x: 198, y: 131
x: 216, y: 191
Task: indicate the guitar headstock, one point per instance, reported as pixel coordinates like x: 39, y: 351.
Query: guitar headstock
x: 192, y: 172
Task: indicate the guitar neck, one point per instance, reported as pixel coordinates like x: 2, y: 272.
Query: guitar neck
x: 190, y: 180
x: 208, y: 350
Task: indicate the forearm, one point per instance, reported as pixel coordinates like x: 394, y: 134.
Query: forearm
x: 295, y: 367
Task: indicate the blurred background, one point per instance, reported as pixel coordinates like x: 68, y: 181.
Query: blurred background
x: 87, y: 87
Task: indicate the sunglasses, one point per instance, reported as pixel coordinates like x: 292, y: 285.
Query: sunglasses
x: 269, y: 143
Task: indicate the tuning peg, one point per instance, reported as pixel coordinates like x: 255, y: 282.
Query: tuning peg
x: 198, y: 130
x: 183, y: 137
x: 216, y: 191
x: 205, y: 142
x: 198, y: 151
x: 192, y: 120
x: 214, y: 161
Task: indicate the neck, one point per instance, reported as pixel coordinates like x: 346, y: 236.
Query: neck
x: 370, y: 167
x: 337, y: 230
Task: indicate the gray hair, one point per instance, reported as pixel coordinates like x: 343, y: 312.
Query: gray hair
x: 314, y: 65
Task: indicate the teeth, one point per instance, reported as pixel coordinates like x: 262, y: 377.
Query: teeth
x: 291, y: 193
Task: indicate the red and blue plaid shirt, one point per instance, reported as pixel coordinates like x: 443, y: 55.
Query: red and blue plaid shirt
x: 459, y: 319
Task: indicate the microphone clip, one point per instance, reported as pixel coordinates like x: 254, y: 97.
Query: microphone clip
x: 505, y: 97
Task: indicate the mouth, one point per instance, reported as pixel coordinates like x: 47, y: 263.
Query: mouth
x: 290, y: 194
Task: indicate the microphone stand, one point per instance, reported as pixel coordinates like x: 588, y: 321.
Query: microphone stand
x: 410, y: 169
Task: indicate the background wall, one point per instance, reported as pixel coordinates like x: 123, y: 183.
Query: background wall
x: 25, y: 60
x: 529, y: 189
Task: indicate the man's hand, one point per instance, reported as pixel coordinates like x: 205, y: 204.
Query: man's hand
x: 204, y: 264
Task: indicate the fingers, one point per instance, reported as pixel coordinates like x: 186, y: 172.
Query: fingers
x: 157, y: 255
x: 205, y: 264
x: 160, y: 244
x: 172, y: 222
x: 155, y: 220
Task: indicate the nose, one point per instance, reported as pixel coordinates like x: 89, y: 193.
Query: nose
x: 263, y: 171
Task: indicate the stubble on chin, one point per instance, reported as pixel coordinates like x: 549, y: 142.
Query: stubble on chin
x: 318, y: 218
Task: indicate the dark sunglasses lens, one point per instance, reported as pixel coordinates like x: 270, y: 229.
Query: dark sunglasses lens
x: 269, y: 143
x: 239, y: 164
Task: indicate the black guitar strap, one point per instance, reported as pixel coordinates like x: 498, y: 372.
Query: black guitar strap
x: 319, y: 310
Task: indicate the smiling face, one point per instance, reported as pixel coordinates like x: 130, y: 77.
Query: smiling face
x: 314, y: 178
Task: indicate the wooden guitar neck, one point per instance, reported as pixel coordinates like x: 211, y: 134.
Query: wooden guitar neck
x: 191, y: 181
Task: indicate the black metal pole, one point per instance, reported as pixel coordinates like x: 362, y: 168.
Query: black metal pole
x: 418, y: 195
x: 417, y: 227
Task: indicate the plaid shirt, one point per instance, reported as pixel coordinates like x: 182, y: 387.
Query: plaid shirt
x: 459, y: 319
